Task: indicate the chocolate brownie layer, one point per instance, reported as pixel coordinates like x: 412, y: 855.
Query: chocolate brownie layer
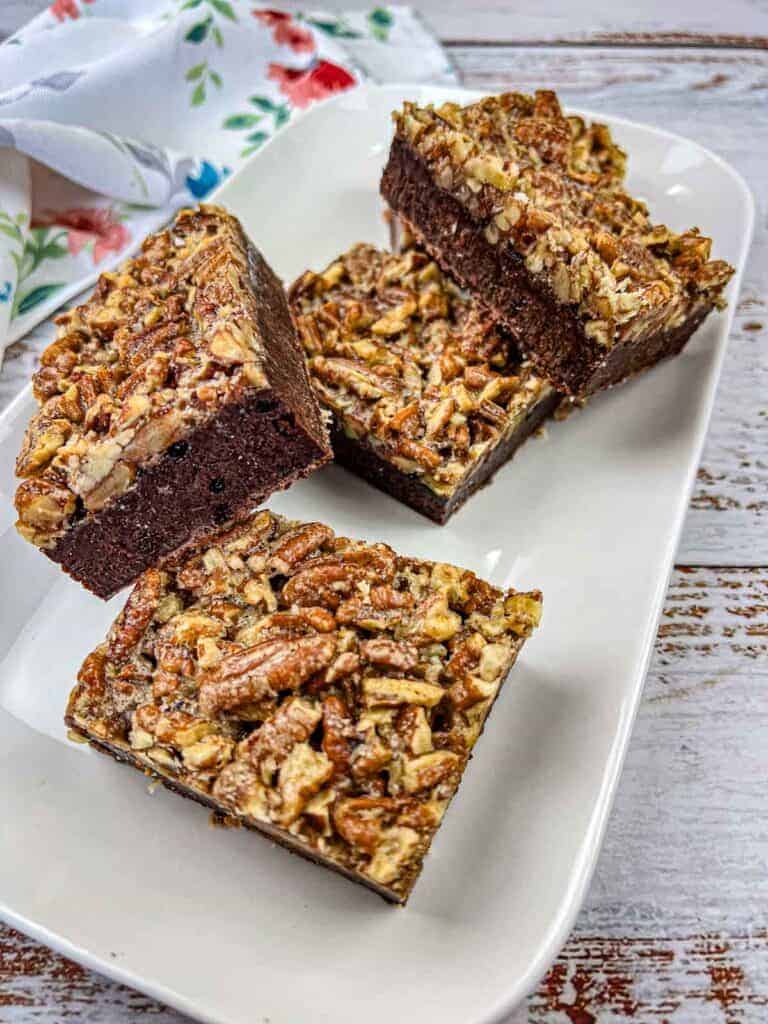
x: 532, y: 220
x: 360, y: 458
x: 217, y: 474
x: 173, y: 401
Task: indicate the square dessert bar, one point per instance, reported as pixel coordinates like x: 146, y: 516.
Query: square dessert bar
x: 428, y: 397
x: 321, y: 690
x: 172, y: 401
x: 525, y: 208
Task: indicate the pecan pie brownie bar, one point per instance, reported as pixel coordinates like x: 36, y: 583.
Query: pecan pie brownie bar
x: 428, y: 396
x: 172, y: 401
x: 321, y: 690
x: 525, y: 207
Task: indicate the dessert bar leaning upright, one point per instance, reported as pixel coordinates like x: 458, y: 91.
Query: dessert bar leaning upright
x: 321, y: 690
x: 172, y: 401
x: 525, y: 208
x: 428, y: 397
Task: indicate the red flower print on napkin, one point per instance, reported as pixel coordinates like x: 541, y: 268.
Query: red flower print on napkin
x: 62, y: 9
x: 286, y: 32
x: 97, y: 225
x: 315, y: 83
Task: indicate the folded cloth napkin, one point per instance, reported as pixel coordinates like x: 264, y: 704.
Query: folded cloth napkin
x: 113, y: 115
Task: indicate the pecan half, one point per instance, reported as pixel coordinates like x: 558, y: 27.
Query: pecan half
x: 297, y: 544
x: 324, y: 583
x: 263, y: 670
x: 137, y: 614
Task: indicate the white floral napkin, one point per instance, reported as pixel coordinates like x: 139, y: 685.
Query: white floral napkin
x: 114, y: 114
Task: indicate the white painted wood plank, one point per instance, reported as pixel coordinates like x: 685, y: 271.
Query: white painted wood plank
x: 727, y: 522
x: 687, y: 844
x: 717, y: 978
x: 682, y: 22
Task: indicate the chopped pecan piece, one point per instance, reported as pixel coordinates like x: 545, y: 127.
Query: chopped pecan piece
x: 270, y: 743
x: 413, y: 725
x: 383, y: 691
x: 44, y: 508
x: 360, y: 820
x: 239, y: 787
x: 390, y: 653
x: 337, y: 728
x: 301, y: 775
x: 429, y: 770
x: 396, y: 847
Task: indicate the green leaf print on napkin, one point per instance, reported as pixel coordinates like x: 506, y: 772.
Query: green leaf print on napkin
x: 277, y: 113
x: 203, y: 76
x: 41, y: 244
x: 380, y: 21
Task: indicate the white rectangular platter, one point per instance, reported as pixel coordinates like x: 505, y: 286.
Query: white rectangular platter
x: 228, y: 928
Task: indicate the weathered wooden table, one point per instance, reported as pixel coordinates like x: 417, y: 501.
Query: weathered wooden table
x: 675, y: 926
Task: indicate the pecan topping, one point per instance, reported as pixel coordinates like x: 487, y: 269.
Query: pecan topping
x: 340, y: 712
x: 400, y: 356
x: 550, y: 187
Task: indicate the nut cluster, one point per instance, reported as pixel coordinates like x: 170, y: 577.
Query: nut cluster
x: 404, y: 360
x: 550, y: 186
x: 163, y: 343
x: 323, y: 686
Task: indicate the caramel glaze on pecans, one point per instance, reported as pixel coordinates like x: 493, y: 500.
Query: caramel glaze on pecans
x: 404, y: 360
x: 317, y: 688
x: 550, y: 186
x: 164, y: 342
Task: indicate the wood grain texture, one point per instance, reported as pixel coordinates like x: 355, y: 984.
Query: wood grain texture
x: 654, y: 22
x: 706, y: 979
x: 37, y: 985
x: 674, y: 927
